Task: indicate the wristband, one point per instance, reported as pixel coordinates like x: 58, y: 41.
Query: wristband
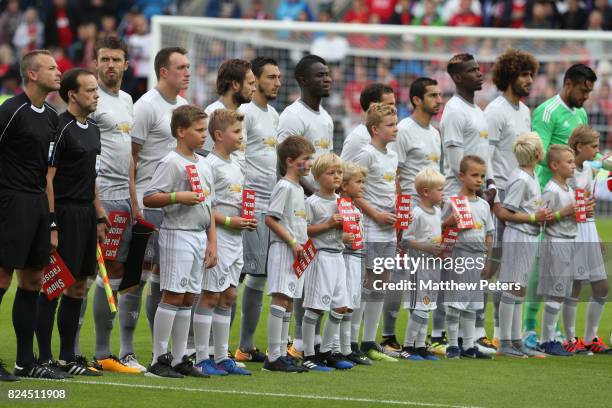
x: 172, y: 198
x: 292, y: 242
x: 101, y: 220
x: 532, y: 217
x: 52, y: 222
x: 558, y: 215
x: 228, y: 221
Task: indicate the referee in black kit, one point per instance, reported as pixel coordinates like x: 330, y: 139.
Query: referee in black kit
x: 27, y: 127
x: 81, y: 221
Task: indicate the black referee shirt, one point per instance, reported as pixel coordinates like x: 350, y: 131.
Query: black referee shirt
x: 76, y: 156
x: 25, y: 136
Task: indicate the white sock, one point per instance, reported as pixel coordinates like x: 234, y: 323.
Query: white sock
x: 371, y: 316
x: 517, y: 319
x: 202, y: 321
x: 180, y: 332
x: 418, y: 319
x: 220, y: 329
x: 275, y: 330
x: 452, y: 326
x: 569, y: 317
x: 593, y: 317
x: 345, y: 334
x: 468, y: 322
x: 308, y: 332
x: 420, y: 341
x: 356, y: 323
x: 549, y: 320
x: 164, y: 319
x: 506, y: 316
x: 332, y: 328
x: 285, y: 333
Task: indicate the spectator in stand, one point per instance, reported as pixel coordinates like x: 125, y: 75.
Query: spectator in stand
x: 139, y: 45
x: 506, y: 13
x: 465, y: 17
x: 63, y: 62
x: 541, y: 14
x: 606, y: 10
x: 382, y: 8
x: 402, y: 14
x: 358, y: 13
x: 576, y: 16
x: 29, y: 33
x: 376, y: 42
x: 223, y: 9
x: 596, y: 48
x: 149, y: 8
x: 95, y: 10
x: 428, y: 14
x: 332, y: 47
x: 108, y: 26
x: 10, y: 84
x: 9, y: 20
x: 258, y: 11
x: 384, y: 75
x: 452, y: 7
x: 60, y: 24
x: 352, y: 90
x: 81, y: 52
x: 291, y: 9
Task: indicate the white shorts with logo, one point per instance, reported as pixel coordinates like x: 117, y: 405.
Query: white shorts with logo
x: 520, y: 251
x: 355, y: 274
x: 181, y: 255
x: 281, y: 278
x: 589, y: 258
x: 229, y: 264
x: 556, y: 267
x: 325, y: 282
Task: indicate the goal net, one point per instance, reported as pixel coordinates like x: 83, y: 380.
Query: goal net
x: 395, y: 55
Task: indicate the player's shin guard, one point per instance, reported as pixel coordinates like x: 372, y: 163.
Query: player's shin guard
x: 345, y: 333
x: 220, y: 329
x: 308, y: 330
x: 67, y: 324
x: 104, y: 320
x: 180, y: 331
x: 549, y: 320
x: 153, y: 299
x: 332, y: 329
x: 480, y: 318
x: 202, y: 322
x: 391, y: 307
x: 275, y: 329
x: 44, y: 325
x: 252, y: 303
x: 468, y: 324
x: 452, y: 326
x: 418, y: 319
x: 24, y: 321
x: 371, y: 316
x: 593, y: 317
x: 164, y: 320
x: 285, y: 333
x: 569, y: 316
x: 129, y: 312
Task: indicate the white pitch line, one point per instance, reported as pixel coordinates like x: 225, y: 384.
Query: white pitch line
x: 268, y: 394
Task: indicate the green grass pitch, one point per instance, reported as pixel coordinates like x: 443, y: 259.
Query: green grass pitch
x: 503, y: 382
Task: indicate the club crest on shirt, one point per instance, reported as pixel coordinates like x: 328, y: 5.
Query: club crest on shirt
x: 484, y: 134
x: 205, y: 192
x: 539, y: 202
x: 389, y: 177
x: 299, y: 213
x: 270, y: 142
x: 124, y: 127
x: 321, y: 144
x: 235, y: 188
x: 426, y: 300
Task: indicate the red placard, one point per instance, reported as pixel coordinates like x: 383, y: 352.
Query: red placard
x: 194, y: 180
x: 403, y: 211
x: 449, y: 239
x: 350, y: 221
x: 301, y: 263
x: 581, y: 203
x: 461, y: 206
x: 248, y: 204
x: 56, y: 277
x: 118, y: 221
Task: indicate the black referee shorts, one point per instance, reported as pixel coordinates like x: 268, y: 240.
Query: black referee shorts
x: 24, y: 230
x: 77, y: 237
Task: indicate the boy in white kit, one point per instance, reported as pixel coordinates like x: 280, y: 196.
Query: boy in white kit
x: 423, y: 238
x: 558, y: 247
x: 474, y: 244
x: 353, y: 180
x: 523, y: 211
x: 325, y: 281
x: 220, y: 281
x: 286, y: 219
x: 186, y: 240
x: 378, y: 205
x: 589, y: 259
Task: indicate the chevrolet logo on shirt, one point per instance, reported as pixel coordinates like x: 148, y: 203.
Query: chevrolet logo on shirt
x: 433, y: 158
x: 205, y: 192
x: 124, y: 127
x: 299, y: 213
x: 484, y: 134
x: 437, y: 239
x: 235, y: 188
x: 539, y: 202
x: 322, y: 144
x: 477, y: 225
x: 270, y: 142
x: 389, y: 177
x: 242, y: 147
